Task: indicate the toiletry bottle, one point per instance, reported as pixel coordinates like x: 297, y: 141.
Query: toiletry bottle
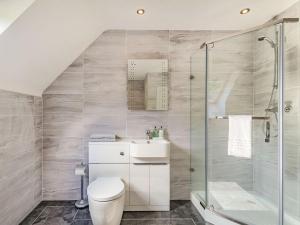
x: 161, y: 132
x: 155, y: 132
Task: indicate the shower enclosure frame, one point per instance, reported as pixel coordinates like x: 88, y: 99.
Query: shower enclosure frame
x: 281, y: 74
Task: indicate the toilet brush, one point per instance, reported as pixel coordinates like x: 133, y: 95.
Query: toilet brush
x: 80, y: 171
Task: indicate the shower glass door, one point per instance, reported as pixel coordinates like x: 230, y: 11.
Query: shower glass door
x: 197, y: 124
x: 291, y: 118
x: 243, y: 171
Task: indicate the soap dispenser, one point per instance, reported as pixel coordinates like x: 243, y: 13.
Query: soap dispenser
x: 161, y: 133
x: 155, y: 132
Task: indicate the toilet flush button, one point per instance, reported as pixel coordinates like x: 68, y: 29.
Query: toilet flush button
x: 122, y: 153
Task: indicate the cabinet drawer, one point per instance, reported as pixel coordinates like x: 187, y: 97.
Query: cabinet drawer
x: 108, y: 153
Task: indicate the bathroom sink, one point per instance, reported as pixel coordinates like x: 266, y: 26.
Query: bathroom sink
x: 150, y: 149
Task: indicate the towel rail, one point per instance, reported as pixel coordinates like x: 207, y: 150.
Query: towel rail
x: 253, y: 117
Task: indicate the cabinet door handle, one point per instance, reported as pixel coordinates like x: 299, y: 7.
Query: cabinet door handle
x: 149, y: 164
x: 122, y: 153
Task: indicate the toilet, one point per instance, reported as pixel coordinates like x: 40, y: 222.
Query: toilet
x: 106, y: 197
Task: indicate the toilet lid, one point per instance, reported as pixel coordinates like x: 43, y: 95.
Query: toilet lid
x: 105, y: 189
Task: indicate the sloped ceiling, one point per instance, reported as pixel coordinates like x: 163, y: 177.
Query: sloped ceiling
x: 50, y: 34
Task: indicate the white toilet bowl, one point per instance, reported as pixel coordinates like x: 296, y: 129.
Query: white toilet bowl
x: 106, y: 200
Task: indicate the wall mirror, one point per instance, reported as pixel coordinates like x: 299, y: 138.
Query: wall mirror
x: 147, y: 85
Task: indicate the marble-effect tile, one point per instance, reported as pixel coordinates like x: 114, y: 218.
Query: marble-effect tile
x: 91, y: 97
x: 21, y: 155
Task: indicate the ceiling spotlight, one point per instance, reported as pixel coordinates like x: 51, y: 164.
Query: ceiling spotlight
x: 140, y: 11
x: 245, y: 11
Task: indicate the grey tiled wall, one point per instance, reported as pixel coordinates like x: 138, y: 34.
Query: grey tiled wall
x: 230, y: 73
x: 20, y: 155
x: 91, y: 97
x: 266, y: 161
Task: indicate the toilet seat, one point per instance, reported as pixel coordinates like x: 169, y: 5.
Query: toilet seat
x: 105, y: 189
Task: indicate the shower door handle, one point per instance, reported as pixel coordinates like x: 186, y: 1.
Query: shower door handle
x: 268, y: 126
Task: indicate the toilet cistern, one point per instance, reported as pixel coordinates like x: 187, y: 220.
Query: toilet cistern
x: 106, y: 189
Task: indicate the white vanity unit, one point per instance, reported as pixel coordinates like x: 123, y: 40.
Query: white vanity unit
x: 144, y: 167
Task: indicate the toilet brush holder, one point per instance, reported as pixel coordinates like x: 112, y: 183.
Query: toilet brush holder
x: 80, y: 171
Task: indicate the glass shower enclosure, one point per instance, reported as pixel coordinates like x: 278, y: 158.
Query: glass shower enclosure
x: 245, y: 125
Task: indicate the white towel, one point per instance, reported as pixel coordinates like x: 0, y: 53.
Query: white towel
x: 240, y: 136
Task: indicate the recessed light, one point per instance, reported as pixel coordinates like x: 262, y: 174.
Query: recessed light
x: 140, y: 11
x: 245, y: 11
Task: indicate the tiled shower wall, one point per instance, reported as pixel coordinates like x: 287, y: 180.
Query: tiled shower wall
x: 253, y: 62
x: 20, y: 155
x: 230, y: 92
x: 265, y: 154
x: 292, y: 119
x: 266, y: 161
x: 91, y: 97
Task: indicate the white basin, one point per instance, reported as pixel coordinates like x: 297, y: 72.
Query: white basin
x: 150, y: 149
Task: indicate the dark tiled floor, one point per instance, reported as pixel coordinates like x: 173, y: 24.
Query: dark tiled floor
x: 64, y: 213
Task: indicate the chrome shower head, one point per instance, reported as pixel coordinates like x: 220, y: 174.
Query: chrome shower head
x: 271, y: 42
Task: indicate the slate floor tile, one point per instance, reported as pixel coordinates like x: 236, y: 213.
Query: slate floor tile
x: 65, y: 213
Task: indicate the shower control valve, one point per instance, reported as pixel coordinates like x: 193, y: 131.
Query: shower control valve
x: 288, y: 107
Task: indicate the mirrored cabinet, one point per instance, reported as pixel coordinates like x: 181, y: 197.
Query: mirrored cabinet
x: 148, y: 84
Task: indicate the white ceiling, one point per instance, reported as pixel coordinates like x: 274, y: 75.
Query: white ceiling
x: 191, y: 14
x: 50, y: 34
